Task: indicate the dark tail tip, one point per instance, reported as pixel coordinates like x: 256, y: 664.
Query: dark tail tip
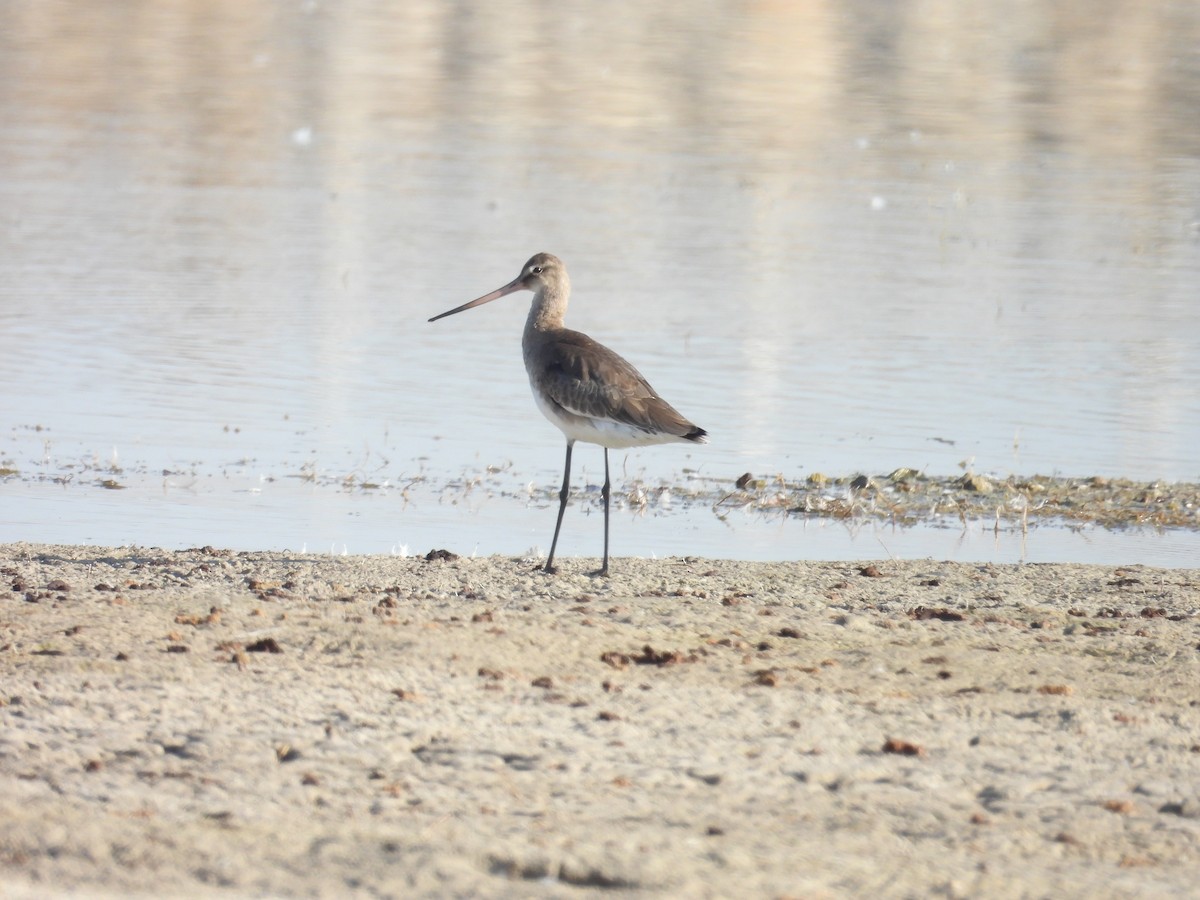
x: 697, y: 436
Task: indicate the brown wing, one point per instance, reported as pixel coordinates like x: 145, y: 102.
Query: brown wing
x: 586, y: 378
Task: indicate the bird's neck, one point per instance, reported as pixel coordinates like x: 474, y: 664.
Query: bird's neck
x: 547, y: 311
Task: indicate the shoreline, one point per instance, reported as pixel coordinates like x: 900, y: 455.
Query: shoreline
x: 227, y: 723
x: 903, y: 497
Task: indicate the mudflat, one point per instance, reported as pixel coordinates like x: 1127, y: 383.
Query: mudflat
x: 212, y: 723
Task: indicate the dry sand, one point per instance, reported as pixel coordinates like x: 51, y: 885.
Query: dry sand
x: 205, y: 723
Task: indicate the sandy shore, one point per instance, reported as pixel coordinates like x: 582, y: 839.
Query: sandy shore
x: 205, y: 723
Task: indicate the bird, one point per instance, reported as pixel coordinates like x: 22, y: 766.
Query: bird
x: 586, y: 390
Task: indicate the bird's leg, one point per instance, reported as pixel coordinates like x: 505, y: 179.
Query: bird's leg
x: 562, y: 505
x: 604, y: 493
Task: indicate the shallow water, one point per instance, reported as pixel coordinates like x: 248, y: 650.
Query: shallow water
x: 842, y: 238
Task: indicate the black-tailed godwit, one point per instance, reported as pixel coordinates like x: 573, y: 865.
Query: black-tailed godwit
x: 590, y: 393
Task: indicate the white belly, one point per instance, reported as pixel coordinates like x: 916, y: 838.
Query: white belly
x: 605, y: 432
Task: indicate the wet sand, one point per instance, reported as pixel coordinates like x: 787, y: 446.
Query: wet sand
x: 205, y: 723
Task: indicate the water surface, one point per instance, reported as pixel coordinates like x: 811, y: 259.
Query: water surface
x: 841, y: 237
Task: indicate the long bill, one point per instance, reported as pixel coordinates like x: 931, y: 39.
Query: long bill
x: 515, y: 285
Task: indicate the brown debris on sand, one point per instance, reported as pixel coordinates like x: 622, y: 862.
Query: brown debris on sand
x: 687, y: 728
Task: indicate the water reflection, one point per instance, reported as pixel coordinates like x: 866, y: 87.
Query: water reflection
x: 843, y: 237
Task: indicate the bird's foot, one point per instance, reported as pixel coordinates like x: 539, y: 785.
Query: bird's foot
x: 548, y: 569
x: 600, y: 573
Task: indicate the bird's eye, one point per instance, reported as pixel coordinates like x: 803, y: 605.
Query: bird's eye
x: 536, y: 270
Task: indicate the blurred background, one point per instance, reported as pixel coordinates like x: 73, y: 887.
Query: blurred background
x: 843, y: 237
